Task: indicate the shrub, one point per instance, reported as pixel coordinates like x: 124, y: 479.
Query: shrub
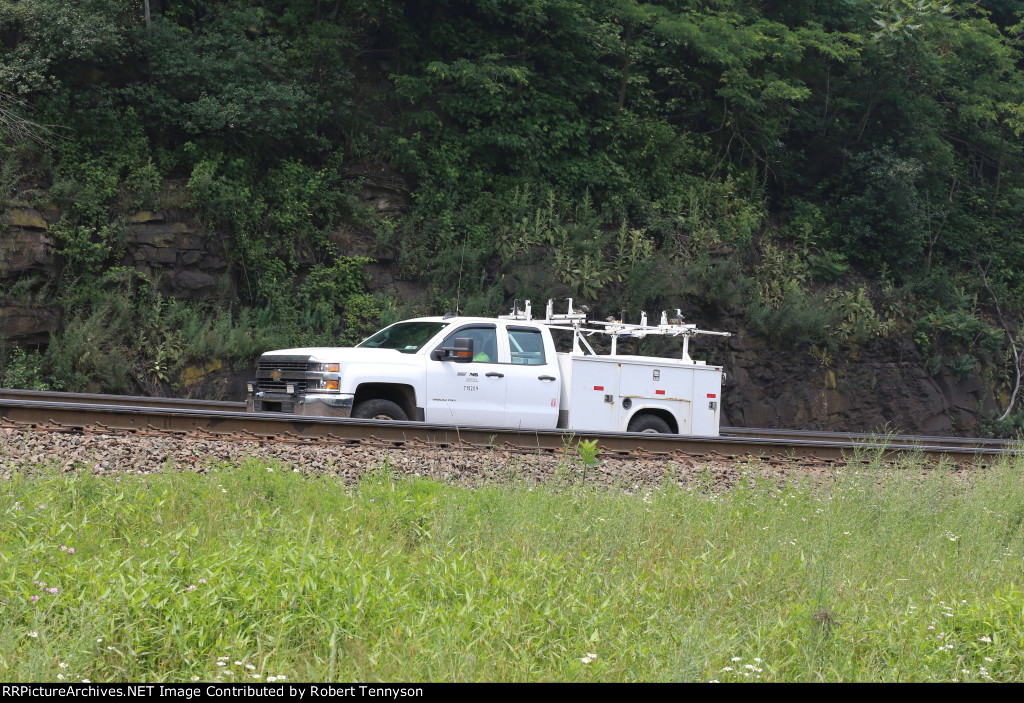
x: 22, y: 369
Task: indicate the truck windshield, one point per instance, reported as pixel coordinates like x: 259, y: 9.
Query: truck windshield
x: 406, y: 337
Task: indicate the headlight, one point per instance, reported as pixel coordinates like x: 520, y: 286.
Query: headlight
x: 324, y: 367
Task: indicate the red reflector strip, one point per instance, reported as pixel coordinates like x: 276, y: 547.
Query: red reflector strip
x: 659, y: 392
x: 712, y: 395
x: 598, y: 388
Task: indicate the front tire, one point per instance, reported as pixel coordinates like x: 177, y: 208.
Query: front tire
x: 649, y: 424
x: 379, y: 409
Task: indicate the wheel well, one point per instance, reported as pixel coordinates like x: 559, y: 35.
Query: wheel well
x: 403, y: 396
x: 657, y: 412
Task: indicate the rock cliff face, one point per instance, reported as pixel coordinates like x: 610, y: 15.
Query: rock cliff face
x: 885, y: 386
x: 172, y: 249
x: 169, y: 247
x: 26, y: 253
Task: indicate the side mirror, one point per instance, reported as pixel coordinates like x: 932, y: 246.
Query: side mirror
x: 460, y: 352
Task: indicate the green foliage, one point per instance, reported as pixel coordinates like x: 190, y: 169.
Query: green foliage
x: 858, y: 320
x: 776, y: 158
x: 958, y: 329
x: 965, y: 343
x: 276, y: 223
x: 887, y: 219
x: 126, y: 337
x: 1010, y: 428
x: 231, y: 79
x: 22, y: 369
x: 386, y: 577
x: 721, y: 284
x: 54, y: 39
x: 88, y: 235
x: 779, y: 274
x: 91, y: 353
x: 524, y: 224
x: 706, y: 215
x: 588, y: 451
x: 334, y: 308
x: 794, y: 320
x: 827, y: 266
x: 586, y: 275
x: 963, y: 366
x: 221, y: 195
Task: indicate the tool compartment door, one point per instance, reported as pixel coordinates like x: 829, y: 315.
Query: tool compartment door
x: 707, y: 400
x: 664, y: 386
x: 594, y: 379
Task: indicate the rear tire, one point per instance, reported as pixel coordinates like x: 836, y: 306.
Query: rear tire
x: 379, y: 409
x: 649, y: 424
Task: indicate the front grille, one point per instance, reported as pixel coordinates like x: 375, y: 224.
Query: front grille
x: 269, y: 365
x: 275, y: 373
x: 287, y: 369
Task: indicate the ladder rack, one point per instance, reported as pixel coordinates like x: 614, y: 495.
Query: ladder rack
x: 576, y: 322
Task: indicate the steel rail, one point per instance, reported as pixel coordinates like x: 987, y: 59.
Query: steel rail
x: 128, y: 400
x: 874, y: 438
x: 183, y: 420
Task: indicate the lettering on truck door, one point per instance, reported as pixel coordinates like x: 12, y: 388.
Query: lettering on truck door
x: 471, y: 393
x: 532, y: 396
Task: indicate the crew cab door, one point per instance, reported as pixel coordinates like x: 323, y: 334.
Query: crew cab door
x: 468, y: 393
x: 532, y: 375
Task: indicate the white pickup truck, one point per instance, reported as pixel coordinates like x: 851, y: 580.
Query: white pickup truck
x: 498, y: 372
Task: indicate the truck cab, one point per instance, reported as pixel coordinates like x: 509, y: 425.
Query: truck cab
x: 455, y: 370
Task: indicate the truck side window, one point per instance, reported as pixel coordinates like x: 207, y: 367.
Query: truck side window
x: 527, y: 346
x: 485, y: 342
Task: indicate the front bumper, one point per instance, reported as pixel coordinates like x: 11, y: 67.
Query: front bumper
x: 311, y: 404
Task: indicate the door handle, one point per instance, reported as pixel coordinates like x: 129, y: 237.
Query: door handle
x: 495, y: 374
x: 547, y: 378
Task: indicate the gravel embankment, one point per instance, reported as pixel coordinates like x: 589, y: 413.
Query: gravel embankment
x: 41, y: 451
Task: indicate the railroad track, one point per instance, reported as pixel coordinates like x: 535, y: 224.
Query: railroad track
x: 15, y: 394
x: 80, y: 412
x: 872, y: 438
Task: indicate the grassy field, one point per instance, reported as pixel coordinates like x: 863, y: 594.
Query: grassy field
x: 255, y: 572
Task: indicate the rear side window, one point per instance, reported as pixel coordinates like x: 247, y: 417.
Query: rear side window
x: 527, y: 346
